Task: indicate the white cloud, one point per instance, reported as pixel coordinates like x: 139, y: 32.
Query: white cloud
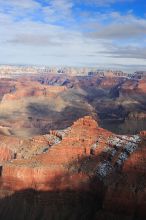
x: 58, y: 10
x: 23, y: 4
x: 105, y: 2
x: 32, y: 41
x: 117, y: 26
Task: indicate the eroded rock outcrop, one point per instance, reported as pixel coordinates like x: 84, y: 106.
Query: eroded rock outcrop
x: 75, y: 145
x: 86, y: 157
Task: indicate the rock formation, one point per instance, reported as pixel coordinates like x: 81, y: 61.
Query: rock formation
x: 85, y: 156
x: 44, y: 167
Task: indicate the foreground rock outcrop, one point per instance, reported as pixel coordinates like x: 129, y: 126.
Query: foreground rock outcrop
x: 82, y: 158
x: 45, y: 167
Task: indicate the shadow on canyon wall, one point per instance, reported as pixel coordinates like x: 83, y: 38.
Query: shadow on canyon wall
x: 102, y: 103
x: 54, y: 119
x: 30, y: 204
x: 86, y: 202
x: 65, y: 118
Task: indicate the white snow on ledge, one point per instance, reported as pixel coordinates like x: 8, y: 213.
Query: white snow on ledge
x: 119, y: 149
x: 104, y: 168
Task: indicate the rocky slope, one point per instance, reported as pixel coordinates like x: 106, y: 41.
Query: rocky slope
x: 108, y: 168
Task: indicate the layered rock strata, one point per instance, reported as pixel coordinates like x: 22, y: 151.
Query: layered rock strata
x: 86, y: 157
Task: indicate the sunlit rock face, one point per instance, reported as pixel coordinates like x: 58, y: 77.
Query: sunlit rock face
x: 79, y: 164
x: 71, y: 147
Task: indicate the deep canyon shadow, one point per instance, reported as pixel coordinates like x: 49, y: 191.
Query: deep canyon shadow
x: 38, y: 205
x: 42, y: 117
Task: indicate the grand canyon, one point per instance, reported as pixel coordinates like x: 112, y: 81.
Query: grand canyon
x: 72, y: 109
x: 72, y: 144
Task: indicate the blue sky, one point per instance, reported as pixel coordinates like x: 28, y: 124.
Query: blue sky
x: 94, y: 33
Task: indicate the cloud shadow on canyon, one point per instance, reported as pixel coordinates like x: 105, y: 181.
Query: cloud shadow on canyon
x: 41, y: 115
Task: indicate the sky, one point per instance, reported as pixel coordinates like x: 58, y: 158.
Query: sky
x: 80, y: 33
